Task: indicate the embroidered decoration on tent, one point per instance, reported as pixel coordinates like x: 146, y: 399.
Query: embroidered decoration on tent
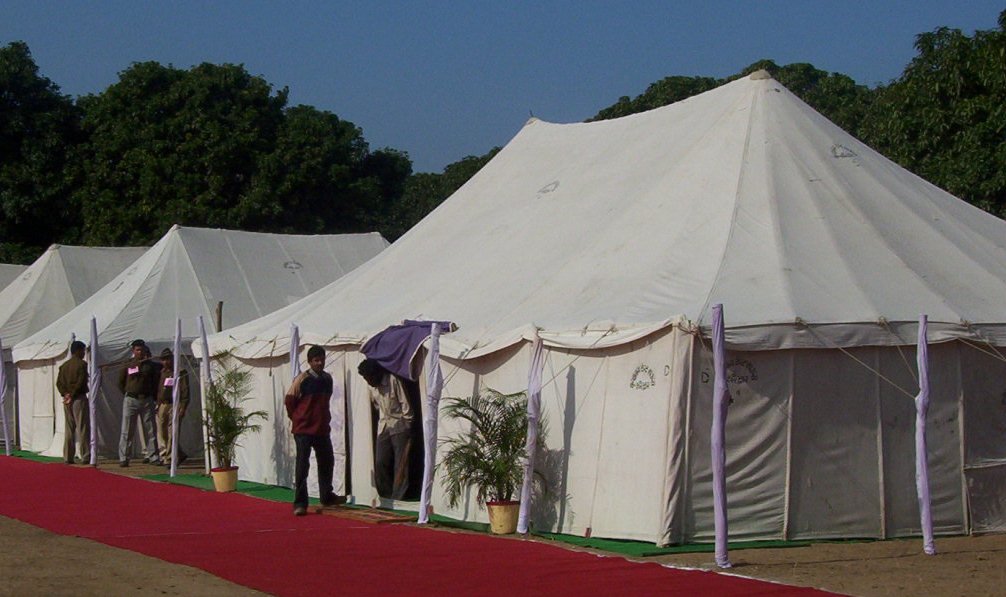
x: 548, y: 188
x: 294, y: 265
x: 642, y: 378
x: 741, y: 371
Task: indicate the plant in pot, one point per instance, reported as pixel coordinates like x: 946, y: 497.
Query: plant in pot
x: 489, y: 456
x: 226, y: 421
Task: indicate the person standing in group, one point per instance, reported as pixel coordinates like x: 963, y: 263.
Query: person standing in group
x: 71, y: 383
x: 394, y: 424
x: 165, y: 398
x: 307, y: 406
x: 138, y: 383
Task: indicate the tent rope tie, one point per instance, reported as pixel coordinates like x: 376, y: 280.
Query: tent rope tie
x: 887, y: 327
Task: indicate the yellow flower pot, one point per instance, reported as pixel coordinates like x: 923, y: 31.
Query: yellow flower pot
x: 503, y: 517
x: 225, y: 479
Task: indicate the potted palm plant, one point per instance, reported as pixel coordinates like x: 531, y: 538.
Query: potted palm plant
x: 226, y: 421
x: 489, y: 456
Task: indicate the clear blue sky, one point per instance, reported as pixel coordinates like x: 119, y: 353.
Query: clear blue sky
x: 442, y: 80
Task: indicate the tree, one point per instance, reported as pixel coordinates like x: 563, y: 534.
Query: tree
x: 425, y: 191
x: 169, y: 146
x: 39, y: 130
x: 944, y: 118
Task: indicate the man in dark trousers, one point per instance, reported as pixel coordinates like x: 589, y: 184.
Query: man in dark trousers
x: 138, y: 383
x: 394, y: 424
x: 71, y: 382
x: 307, y: 405
x: 165, y: 406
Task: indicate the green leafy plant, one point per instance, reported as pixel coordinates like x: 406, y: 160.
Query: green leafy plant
x: 225, y: 420
x: 489, y: 456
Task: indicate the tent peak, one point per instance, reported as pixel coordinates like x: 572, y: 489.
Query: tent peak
x: 760, y: 75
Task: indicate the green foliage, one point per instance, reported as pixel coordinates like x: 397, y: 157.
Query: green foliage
x: 225, y: 419
x: 489, y: 456
x: 945, y: 117
x: 39, y: 132
x: 423, y: 192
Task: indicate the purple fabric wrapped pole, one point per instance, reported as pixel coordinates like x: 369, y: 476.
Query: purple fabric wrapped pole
x: 294, y: 351
x: 3, y: 405
x: 531, y: 443
x: 204, y: 370
x: 93, y: 385
x: 921, y: 453
x: 174, y: 397
x: 434, y: 387
x: 395, y: 347
x: 721, y: 401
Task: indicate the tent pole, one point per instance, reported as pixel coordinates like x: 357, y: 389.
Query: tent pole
x: 721, y: 402
x: 531, y: 442
x: 434, y: 386
x: 921, y: 453
x: 3, y: 404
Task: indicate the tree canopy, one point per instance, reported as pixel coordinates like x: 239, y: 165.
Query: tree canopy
x: 216, y: 146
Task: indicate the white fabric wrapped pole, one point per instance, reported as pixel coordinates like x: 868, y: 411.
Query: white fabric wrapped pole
x: 93, y: 385
x: 721, y: 402
x: 174, y: 397
x: 531, y: 443
x: 3, y: 404
x: 921, y: 463
x: 204, y: 373
x: 434, y: 386
x: 294, y: 351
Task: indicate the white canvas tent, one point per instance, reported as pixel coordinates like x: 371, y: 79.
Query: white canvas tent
x: 614, y: 239
x: 59, y: 280
x: 10, y: 272
x: 183, y: 276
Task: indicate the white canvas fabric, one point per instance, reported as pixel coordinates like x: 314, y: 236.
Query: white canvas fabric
x: 612, y: 240
x: 10, y: 272
x: 183, y: 276
x: 59, y: 280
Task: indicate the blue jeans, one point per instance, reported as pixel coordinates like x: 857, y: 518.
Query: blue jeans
x: 322, y: 445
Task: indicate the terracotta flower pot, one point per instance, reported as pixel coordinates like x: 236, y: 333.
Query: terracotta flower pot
x: 225, y: 478
x: 503, y: 517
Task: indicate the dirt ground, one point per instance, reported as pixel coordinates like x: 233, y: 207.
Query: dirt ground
x: 37, y: 562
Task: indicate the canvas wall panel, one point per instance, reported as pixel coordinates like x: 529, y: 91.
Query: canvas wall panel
x: 36, y: 404
x: 631, y: 467
x: 834, y: 459
x: 756, y: 444
x: 897, y: 412
x: 983, y: 377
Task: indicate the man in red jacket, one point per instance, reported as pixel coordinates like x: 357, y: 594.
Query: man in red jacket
x: 307, y: 405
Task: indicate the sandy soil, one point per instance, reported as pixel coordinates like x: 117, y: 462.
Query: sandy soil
x: 37, y: 562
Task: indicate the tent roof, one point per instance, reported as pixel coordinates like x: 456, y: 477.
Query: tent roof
x: 55, y: 283
x: 9, y: 272
x: 189, y: 270
x: 598, y: 233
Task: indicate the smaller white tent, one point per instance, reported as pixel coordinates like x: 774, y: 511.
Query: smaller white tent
x: 9, y: 272
x: 184, y: 276
x: 56, y: 282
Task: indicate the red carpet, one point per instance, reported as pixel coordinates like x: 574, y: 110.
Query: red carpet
x: 259, y: 544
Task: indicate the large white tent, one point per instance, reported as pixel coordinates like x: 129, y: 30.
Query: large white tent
x: 185, y: 275
x: 612, y: 240
x: 59, y: 280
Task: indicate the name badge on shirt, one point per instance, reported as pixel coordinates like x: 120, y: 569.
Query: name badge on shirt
x: 169, y: 381
x: 132, y: 370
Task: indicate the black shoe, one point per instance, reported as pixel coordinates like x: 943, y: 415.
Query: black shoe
x: 123, y: 463
x: 156, y: 462
x: 146, y: 460
x: 334, y: 500
x: 299, y: 511
x: 71, y: 462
